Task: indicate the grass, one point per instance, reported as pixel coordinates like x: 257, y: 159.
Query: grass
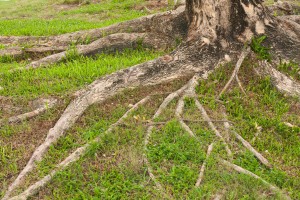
x: 55, y: 18
x: 65, y: 78
x: 114, y: 168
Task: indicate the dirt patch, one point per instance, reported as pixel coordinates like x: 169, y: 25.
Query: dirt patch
x: 64, y: 7
x: 152, y: 5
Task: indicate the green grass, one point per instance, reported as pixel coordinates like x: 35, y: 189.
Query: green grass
x: 114, y: 167
x: 68, y: 77
x: 268, y: 109
x: 52, y: 21
x: 290, y: 68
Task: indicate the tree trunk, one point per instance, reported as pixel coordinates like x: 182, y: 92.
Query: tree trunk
x: 223, y: 21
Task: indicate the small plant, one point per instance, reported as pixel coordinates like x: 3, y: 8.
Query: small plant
x: 291, y: 68
x: 261, y: 51
x: 189, y: 102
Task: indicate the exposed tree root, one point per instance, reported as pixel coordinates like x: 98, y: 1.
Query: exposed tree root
x: 282, y: 82
x: 112, y: 43
x: 157, y: 71
x: 284, y: 8
x: 212, y: 126
x: 19, y: 53
x: 292, y: 28
x: 235, y: 72
x: 178, y: 114
x: 294, y: 18
x: 247, y: 145
x: 244, y: 171
x: 160, y: 23
x: 48, y: 104
x: 163, y: 106
x: 201, y: 174
x: 33, y: 189
x: 240, y: 84
x: 220, y: 121
x: 13, y: 52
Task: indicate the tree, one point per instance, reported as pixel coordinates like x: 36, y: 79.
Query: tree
x: 212, y: 32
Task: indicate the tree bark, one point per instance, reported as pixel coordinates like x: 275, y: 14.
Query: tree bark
x: 225, y: 20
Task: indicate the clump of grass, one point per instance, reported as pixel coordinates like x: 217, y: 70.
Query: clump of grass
x: 291, y: 68
x: 6, y: 59
x: 261, y: 51
x: 189, y: 102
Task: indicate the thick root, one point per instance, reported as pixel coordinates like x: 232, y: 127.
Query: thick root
x: 153, y: 72
x: 21, y: 53
x: 282, y: 82
x: 112, y: 43
x: 33, y: 189
x: 170, y: 23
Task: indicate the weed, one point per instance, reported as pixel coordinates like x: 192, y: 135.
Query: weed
x: 291, y: 68
x: 261, y: 51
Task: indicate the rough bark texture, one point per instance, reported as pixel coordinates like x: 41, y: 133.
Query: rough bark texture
x: 224, y: 20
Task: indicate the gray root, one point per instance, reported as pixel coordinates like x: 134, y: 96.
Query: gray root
x: 178, y: 113
x: 247, y: 145
x: 162, y: 107
x: 111, y: 43
x: 294, y: 18
x: 48, y: 104
x: 201, y: 174
x: 33, y: 189
x: 282, y: 82
x: 212, y: 126
x: 240, y: 84
x: 19, y: 52
x: 235, y: 71
x: 244, y: 171
x: 154, y: 72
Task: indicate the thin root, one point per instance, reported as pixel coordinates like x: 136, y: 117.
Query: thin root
x: 235, y: 71
x: 33, y: 189
x: 244, y: 171
x: 201, y: 174
x: 19, y: 118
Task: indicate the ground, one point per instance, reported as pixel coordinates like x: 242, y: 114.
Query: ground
x: 115, y: 167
